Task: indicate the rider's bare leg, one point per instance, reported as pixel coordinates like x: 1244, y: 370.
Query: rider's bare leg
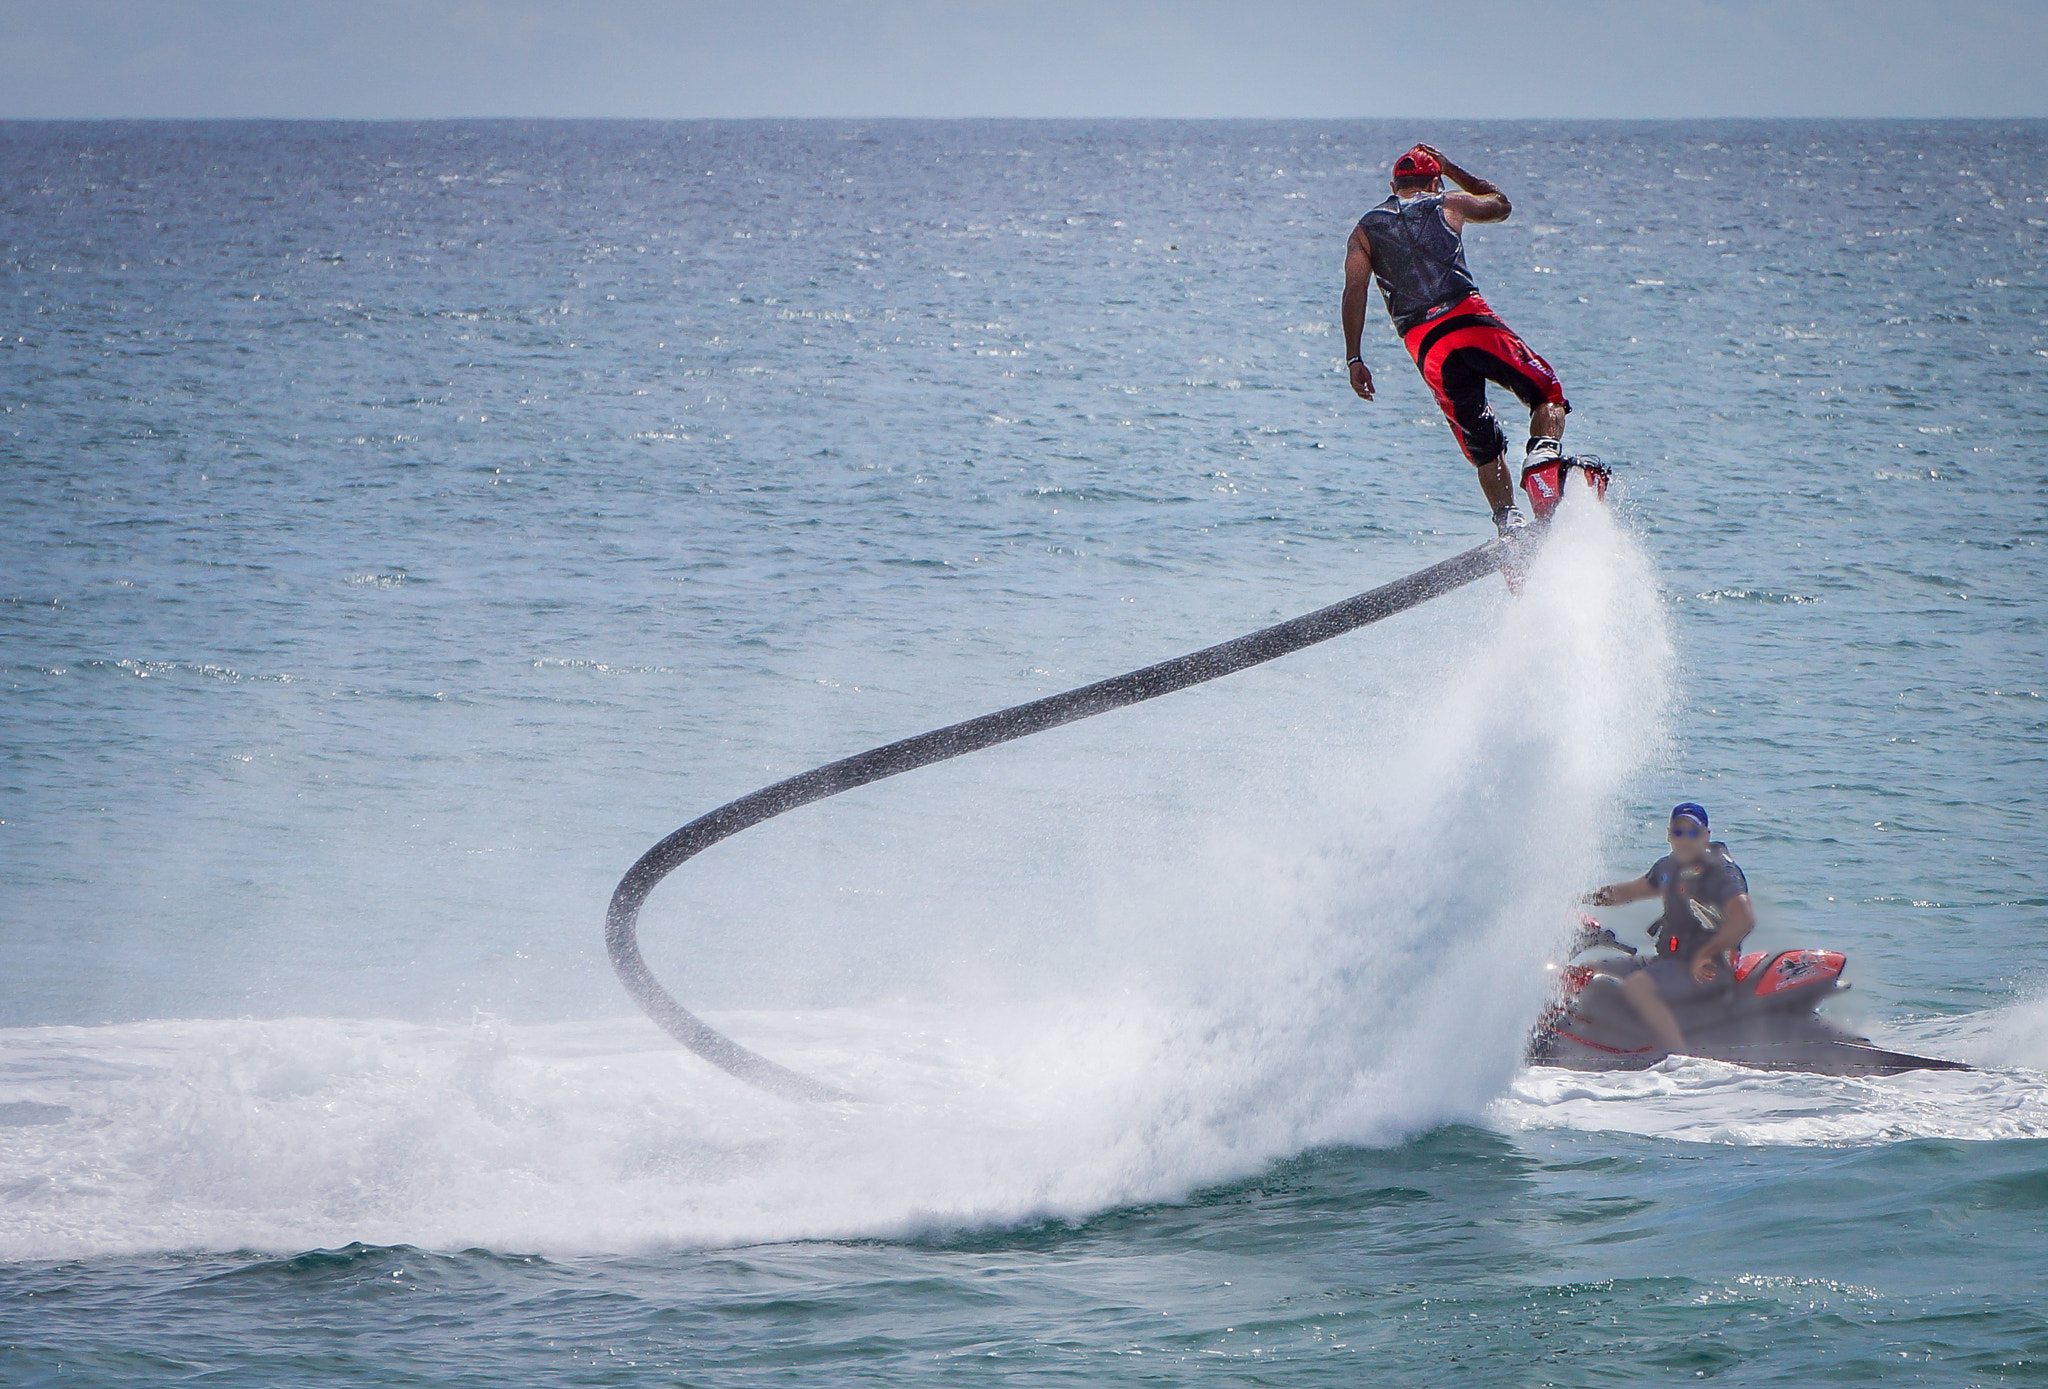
x: 1498, y: 486
x: 1656, y: 1014
x: 1546, y: 421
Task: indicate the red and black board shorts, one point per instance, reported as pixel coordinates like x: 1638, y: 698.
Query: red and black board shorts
x: 1461, y: 349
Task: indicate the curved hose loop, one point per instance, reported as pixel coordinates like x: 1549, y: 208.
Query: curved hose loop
x: 621, y: 934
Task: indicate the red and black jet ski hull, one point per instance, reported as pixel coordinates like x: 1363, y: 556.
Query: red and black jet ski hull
x: 1766, y: 1019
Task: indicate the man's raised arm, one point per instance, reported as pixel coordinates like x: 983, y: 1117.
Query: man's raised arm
x: 1480, y: 201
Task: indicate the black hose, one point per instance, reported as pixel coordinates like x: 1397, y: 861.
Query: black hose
x: 621, y: 936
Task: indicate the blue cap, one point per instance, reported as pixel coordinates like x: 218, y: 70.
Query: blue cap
x: 1690, y: 810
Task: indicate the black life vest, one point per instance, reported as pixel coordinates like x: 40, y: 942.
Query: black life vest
x: 1416, y: 257
x: 1694, y: 899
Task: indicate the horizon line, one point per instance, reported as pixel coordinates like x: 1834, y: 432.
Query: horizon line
x: 957, y: 119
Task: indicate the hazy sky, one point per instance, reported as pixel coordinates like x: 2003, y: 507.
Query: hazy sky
x: 1518, y: 58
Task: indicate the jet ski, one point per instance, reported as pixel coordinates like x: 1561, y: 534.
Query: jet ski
x: 1767, y: 1019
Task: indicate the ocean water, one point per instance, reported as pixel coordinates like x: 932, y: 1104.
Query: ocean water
x: 402, y: 527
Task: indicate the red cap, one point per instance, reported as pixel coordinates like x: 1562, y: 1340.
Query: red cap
x: 1418, y: 163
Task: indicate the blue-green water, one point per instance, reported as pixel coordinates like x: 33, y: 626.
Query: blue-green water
x: 405, y: 526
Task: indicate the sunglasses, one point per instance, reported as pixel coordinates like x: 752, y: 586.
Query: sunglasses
x: 1691, y: 832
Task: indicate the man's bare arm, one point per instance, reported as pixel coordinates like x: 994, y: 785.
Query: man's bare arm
x: 1614, y: 894
x: 1738, y: 919
x: 1357, y: 282
x: 1480, y: 201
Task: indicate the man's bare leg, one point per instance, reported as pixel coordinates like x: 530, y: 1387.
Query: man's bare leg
x: 1656, y: 1014
x: 1498, y: 486
x: 1546, y: 421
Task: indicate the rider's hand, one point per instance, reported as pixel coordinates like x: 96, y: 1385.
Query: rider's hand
x: 1361, y: 380
x: 1703, y: 970
x: 1434, y: 153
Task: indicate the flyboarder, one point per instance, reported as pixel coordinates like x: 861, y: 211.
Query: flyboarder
x: 1413, y: 244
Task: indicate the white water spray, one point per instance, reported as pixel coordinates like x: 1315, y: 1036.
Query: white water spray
x: 1363, y: 967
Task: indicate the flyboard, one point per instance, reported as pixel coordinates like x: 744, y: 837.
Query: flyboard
x: 1545, y: 484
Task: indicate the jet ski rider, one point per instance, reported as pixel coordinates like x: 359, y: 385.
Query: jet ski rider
x: 1414, y: 245
x: 1706, y: 915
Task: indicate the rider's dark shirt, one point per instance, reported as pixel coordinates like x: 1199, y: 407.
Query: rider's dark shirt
x: 1694, y: 898
x: 1416, y: 257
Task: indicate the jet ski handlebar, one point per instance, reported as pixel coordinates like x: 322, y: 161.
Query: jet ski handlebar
x: 1593, y: 936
